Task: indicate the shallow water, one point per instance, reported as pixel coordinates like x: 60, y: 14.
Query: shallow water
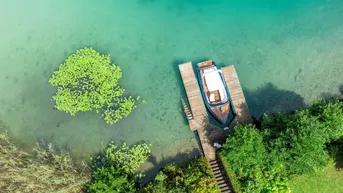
x: 287, y: 53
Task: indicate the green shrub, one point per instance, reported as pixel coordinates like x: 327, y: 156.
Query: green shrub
x: 247, y: 157
x: 88, y: 81
x: 287, y: 145
x: 331, y: 115
x: 116, y: 169
x: 195, y: 177
x: 110, y: 179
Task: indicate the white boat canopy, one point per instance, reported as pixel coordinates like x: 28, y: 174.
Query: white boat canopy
x: 215, y: 83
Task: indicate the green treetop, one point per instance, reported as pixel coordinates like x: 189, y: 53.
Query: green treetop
x: 87, y: 80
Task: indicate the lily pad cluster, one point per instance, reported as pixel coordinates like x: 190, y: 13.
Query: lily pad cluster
x: 88, y: 81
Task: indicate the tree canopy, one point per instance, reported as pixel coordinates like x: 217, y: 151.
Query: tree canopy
x: 286, y: 145
x: 88, y: 81
x: 194, y: 177
x: 116, y: 169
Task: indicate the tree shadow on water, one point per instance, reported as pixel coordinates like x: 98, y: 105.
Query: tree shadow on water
x: 340, y: 88
x: 179, y: 159
x: 269, y: 99
x: 330, y: 96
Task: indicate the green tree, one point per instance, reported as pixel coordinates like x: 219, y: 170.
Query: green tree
x: 302, y: 144
x: 116, y: 169
x: 194, y: 177
x: 247, y: 156
x: 88, y: 81
x: 285, y: 146
x: 110, y: 179
x: 331, y: 115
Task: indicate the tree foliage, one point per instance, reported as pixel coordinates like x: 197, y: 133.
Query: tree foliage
x: 247, y: 157
x: 116, y: 169
x: 88, y: 81
x: 286, y: 145
x: 195, y: 177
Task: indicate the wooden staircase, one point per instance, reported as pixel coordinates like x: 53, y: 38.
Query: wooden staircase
x: 186, y: 109
x: 220, y: 176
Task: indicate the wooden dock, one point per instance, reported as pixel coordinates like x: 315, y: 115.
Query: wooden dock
x: 193, y: 93
x: 236, y: 94
x: 198, y: 120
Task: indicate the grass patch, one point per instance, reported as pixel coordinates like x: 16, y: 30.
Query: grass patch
x: 328, y: 180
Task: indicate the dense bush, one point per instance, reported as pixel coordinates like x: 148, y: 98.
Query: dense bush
x: 286, y: 145
x: 88, y: 81
x: 116, y: 169
x: 44, y: 170
x: 195, y: 177
x: 255, y: 170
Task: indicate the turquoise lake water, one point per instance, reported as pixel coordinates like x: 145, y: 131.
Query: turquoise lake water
x: 286, y: 53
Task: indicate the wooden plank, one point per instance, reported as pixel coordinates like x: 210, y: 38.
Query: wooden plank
x: 209, y: 150
x: 236, y: 94
x: 193, y: 94
x: 197, y: 107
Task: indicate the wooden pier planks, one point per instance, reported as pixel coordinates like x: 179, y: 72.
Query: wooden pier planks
x: 193, y: 94
x: 200, y: 119
x: 236, y: 94
x: 200, y: 123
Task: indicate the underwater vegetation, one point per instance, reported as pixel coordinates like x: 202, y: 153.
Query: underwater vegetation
x: 43, y: 170
x: 88, y: 81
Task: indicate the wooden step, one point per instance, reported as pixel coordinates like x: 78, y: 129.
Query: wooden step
x: 218, y: 175
x: 220, y: 181
x: 215, y: 168
x: 225, y: 189
x: 223, y: 185
x: 213, y: 161
x: 217, y: 172
x: 220, y: 178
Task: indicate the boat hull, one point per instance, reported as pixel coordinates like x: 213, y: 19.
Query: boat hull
x: 220, y: 110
